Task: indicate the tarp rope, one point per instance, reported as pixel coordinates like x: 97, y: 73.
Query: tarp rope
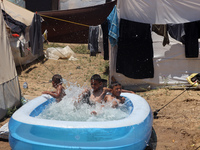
x: 80, y: 24
x: 155, y: 113
x: 46, y: 67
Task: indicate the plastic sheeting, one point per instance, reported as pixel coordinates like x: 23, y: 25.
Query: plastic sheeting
x: 58, y: 52
x: 4, y: 131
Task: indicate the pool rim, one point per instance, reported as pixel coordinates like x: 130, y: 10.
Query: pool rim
x: 140, y: 112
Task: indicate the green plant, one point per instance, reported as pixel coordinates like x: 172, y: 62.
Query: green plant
x: 10, y: 111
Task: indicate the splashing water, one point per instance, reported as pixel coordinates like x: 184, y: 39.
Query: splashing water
x: 69, y: 110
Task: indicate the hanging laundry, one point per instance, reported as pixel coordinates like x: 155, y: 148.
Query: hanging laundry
x: 100, y: 40
x: 93, y: 40
x: 35, y: 35
x: 104, y: 27
x: 192, y: 33
x: 113, y: 27
x: 177, y: 32
x: 161, y: 30
x: 135, y: 50
x: 14, y: 25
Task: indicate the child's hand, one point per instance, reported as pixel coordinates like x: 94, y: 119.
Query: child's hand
x: 93, y: 113
x: 86, y: 91
x: 123, y: 100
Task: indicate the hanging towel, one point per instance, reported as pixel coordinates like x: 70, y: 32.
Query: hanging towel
x: 93, y: 40
x: 35, y: 35
x: 135, y: 50
x: 177, y: 32
x: 100, y: 40
x: 104, y: 27
x: 192, y: 30
x: 113, y: 27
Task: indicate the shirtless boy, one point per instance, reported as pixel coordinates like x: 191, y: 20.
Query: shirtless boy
x: 98, y: 91
x: 57, y: 84
x: 115, y: 99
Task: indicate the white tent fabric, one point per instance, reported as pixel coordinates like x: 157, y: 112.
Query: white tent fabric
x: 9, y: 85
x: 159, y: 11
x: 170, y: 65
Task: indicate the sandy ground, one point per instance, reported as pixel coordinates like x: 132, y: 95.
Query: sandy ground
x: 176, y: 128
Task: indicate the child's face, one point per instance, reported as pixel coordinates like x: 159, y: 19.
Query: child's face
x: 95, y: 85
x: 116, y: 91
x: 54, y: 84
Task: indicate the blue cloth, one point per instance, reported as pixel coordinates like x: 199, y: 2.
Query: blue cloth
x: 113, y: 27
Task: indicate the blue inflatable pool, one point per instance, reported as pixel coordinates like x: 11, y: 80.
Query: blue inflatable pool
x: 30, y: 133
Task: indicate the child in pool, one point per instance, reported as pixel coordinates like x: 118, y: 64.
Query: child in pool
x: 115, y: 99
x: 57, y: 84
x: 96, y: 93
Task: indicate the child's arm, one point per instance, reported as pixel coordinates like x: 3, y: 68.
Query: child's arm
x: 56, y: 93
x: 103, y: 94
x: 85, y: 93
x: 105, y: 98
x: 127, y: 91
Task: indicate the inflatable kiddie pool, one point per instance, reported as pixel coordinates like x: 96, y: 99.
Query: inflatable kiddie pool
x: 26, y: 132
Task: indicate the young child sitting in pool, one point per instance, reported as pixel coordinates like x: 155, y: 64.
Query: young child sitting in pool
x: 115, y: 99
x: 57, y: 84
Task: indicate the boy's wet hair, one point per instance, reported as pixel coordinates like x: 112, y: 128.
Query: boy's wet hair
x: 96, y: 77
x: 57, y: 78
x: 113, y: 84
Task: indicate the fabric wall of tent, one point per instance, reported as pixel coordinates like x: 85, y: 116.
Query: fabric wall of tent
x: 170, y: 64
x: 72, y: 26
x: 9, y: 85
x: 20, y: 46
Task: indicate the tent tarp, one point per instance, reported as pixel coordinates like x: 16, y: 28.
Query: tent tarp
x: 159, y: 11
x: 9, y: 85
x: 66, y: 32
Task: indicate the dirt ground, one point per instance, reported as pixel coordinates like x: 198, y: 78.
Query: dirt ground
x: 177, y: 126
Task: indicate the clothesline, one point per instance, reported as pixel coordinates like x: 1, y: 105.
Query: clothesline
x: 80, y: 24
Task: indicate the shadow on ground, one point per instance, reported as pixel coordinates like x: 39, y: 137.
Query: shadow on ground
x: 153, y: 141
